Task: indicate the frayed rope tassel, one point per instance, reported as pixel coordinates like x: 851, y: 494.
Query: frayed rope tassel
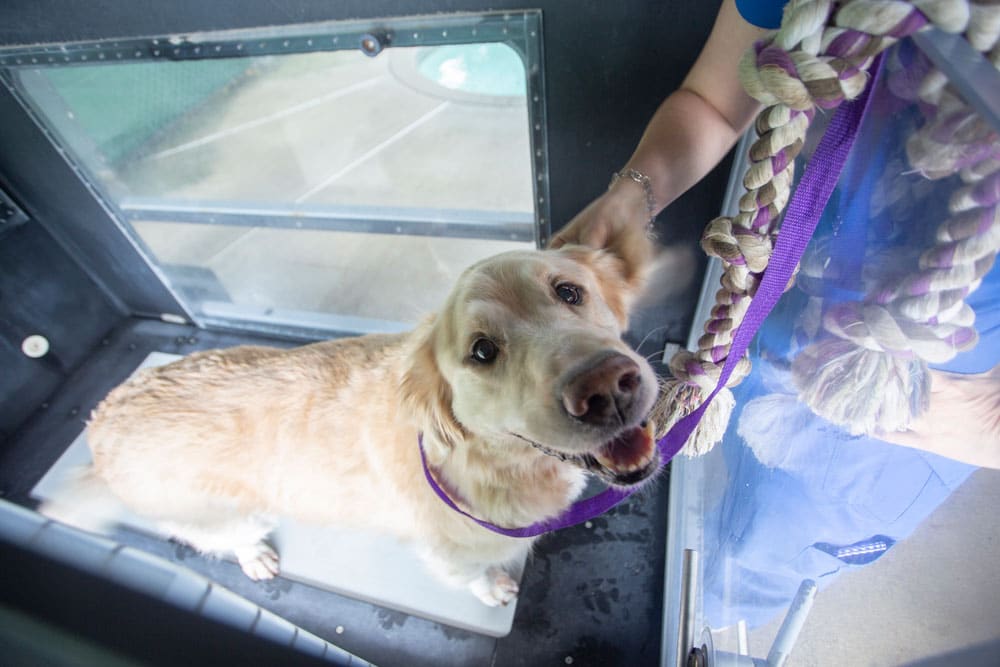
x: 678, y: 399
x: 833, y: 377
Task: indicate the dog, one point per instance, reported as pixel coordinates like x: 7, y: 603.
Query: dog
x: 518, y: 389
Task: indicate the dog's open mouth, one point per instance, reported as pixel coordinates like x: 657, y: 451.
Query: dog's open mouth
x: 625, y: 461
x: 628, y: 459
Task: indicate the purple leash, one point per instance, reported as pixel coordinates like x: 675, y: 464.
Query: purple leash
x: 801, y: 217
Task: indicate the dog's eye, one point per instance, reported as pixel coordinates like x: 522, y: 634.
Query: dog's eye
x: 484, y: 351
x: 569, y: 293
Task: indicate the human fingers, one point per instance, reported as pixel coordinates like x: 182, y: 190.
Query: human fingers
x: 586, y: 229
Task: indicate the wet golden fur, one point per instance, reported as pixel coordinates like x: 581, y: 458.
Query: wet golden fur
x: 217, y: 444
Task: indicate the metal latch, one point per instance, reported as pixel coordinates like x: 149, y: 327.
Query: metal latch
x: 11, y: 214
x: 701, y: 652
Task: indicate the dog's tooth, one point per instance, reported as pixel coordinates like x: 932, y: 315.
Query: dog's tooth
x: 646, y: 460
x: 604, y: 461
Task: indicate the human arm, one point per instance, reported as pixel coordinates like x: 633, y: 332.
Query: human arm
x: 688, y: 135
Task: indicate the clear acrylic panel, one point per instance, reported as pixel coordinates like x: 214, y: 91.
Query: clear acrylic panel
x: 824, y: 542
x: 347, y: 180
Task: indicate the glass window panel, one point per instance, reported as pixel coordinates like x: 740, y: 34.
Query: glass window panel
x: 342, y: 187
x: 324, y: 279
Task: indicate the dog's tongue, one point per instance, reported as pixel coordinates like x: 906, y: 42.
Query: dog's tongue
x: 632, y: 450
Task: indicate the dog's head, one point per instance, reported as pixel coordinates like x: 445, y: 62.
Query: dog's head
x: 527, y: 354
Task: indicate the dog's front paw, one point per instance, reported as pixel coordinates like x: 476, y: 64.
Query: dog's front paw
x: 494, y: 587
x: 259, y: 561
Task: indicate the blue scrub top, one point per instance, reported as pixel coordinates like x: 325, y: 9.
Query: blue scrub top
x: 762, y: 13
x: 827, y: 502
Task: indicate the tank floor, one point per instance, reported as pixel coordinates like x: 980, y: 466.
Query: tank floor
x: 591, y: 594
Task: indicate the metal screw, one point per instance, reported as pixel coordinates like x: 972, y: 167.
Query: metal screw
x: 372, y: 43
x: 35, y: 346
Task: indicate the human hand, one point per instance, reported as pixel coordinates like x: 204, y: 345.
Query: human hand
x: 962, y: 421
x: 622, y: 208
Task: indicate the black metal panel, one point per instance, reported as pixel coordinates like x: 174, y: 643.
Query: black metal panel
x: 43, y: 292
x: 56, y: 615
x: 54, y: 424
x: 49, y: 190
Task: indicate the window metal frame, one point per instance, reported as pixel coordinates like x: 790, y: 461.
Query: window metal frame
x: 520, y: 30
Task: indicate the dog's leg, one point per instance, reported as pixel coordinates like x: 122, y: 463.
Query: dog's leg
x: 259, y: 561
x: 243, y: 536
x: 491, y: 583
x: 494, y: 587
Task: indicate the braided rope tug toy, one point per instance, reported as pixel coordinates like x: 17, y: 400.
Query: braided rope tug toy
x: 818, y: 59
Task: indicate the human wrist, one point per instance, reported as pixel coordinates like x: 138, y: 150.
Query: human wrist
x: 633, y: 195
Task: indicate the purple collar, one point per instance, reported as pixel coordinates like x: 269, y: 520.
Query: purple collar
x: 578, y: 512
x: 803, y: 213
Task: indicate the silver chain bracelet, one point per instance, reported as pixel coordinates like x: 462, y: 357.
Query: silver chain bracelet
x: 647, y: 188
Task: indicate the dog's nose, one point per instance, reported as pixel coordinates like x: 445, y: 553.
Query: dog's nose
x: 599, y: 393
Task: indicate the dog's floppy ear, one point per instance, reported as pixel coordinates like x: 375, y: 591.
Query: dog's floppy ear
x: 622, y: 267
x: 427, y: 396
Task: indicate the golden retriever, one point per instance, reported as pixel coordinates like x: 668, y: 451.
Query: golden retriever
x: 520, y: 386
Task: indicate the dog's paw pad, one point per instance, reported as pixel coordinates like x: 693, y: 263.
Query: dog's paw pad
x: 495, y: 588
x: 259, y: 562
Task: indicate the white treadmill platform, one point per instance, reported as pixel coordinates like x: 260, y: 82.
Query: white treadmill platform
x: 375, y: 568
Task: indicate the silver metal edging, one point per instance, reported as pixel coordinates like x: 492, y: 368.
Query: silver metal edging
x: 975, y: 77
x: 688, y: 611
x: 684, y: 527
x: 290, y: 323
x: 492, y: 225
x: 158, y: 579
x: 419, y: 30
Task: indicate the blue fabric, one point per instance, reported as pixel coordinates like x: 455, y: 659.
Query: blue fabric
x: 762, y: 13
x: 823, y: 491
x: 774, y: 525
